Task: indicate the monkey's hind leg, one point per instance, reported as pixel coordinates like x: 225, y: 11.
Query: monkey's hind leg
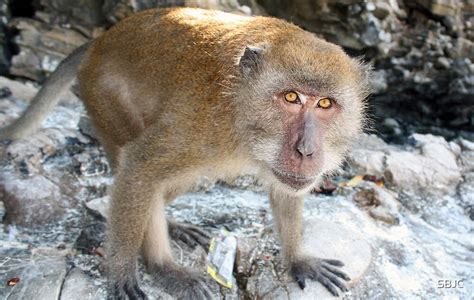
x: 191, y: 235
x: 176, y: 280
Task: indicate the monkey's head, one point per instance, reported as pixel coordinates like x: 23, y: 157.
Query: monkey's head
x: 300, y: 105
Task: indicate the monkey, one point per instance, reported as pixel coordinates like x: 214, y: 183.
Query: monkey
x: 179, y: 93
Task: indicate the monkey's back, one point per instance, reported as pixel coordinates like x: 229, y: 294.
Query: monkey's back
x: 157, y: 62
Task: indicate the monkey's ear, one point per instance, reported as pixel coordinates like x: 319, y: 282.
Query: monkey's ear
x: 250, y: 59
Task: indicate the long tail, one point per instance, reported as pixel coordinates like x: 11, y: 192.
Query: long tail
x: 47, y: 98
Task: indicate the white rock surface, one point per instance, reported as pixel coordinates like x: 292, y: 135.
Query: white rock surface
x: 380, y: 203
x: 430, y: 168
x: 100, y: 206
x: 41, y: 278
x: 18, y: 89
x: 78, y: 285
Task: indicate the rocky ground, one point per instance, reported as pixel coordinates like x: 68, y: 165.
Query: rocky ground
x: 400, y: 230
x: 401, y: 217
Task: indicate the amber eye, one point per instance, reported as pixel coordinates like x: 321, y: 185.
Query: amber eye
x: 325, y: 103
x: 291, y: 97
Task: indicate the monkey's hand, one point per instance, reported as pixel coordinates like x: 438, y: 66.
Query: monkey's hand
x: 325, y: 271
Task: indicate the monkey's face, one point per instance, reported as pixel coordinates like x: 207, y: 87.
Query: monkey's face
x: 304, y: 115
x: 301, y: 110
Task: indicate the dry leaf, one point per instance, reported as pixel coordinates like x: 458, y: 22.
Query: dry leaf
x: 13, y: 281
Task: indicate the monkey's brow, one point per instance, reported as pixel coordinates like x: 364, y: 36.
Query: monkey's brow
x: 319, y: 88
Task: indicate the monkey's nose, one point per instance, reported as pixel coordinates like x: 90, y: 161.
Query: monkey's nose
x: 304, y: 149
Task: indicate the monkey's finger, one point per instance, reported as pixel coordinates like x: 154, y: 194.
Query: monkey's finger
x: 335, y: 280
x: 334, y: 262
x: 199, y: 231
x: 139, y: 293
x: 301, y: 281
x: 207, y: 294
x: 199, y: 237
x: 187, y: 239
x: 134, y: 292
x: 336, y: 272
x: 328, y: 284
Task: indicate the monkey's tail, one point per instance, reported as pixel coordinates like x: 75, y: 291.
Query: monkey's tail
x: 48, y: 96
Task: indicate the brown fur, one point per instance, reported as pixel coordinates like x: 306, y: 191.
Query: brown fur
x: 175, y: 94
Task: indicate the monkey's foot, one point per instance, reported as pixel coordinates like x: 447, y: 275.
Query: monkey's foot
x: 326, y: 271
x: 128, y: 289
x: 189, y: 234
x: 181, y: 283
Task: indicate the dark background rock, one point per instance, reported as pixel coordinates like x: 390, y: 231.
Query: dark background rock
x: 422, y: 51
x: 91, y: 237
x: 5, y: 55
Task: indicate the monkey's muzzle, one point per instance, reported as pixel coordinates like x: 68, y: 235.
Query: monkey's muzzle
x: 296, y: 181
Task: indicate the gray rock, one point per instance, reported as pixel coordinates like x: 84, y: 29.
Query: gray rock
x: 78, y: 285
x: 18, y: 89
x: 464, y: 49
x: 391, y: 123
x: 443, y: 62
x: 466, y: 145
x: 4, y: 49
x: 378, y: 81
x: 430, y: 168
x: 368, y: 155
x: 82, y: 12
x: 86, y: 127
x: 92, y: 238
x: 40, y: 277
x: 31, y: 202
x: 26, y: 91
x: 41, y: 47
x: 347, y: 23
x: 441, y: 7
x: 455, y: 149
x: 100, y: 206
x: 379, y: 202
x: 427, y: 172
x: 32, y: 151
x: 466, y: 160
x: 368, y: 162
x: 116, y: 10
x: 382, y: 10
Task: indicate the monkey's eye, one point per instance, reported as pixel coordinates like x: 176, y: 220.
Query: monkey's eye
x: 291, y: 97
x: 325, y: 103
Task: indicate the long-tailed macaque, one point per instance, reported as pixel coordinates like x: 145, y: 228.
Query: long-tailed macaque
x: 176, y: 94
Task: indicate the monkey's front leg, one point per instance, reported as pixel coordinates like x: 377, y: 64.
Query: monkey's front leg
x: 287, y: 213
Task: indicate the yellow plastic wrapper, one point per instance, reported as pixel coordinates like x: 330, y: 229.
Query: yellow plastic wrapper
x: 221, y: 258
x: 354, y: 181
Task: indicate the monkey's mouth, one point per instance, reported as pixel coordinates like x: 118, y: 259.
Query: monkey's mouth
x: 296, y: 181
